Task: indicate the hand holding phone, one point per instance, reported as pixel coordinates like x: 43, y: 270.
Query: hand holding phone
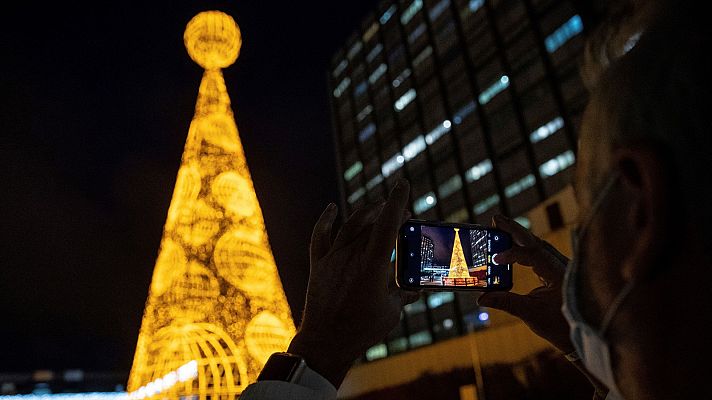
x: 440, y: 256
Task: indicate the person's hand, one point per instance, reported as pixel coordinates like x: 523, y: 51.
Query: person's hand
x: 540, y: 309
x: 352, y: 301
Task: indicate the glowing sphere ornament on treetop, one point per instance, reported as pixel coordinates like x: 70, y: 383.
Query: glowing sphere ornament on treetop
x: 216, y: 309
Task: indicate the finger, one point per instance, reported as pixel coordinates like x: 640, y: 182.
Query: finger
x: 384, y: 232
x: 520, y: 234
x: 406, y: 216
x: 548, y: 268
x: 321, y: 235
x: 408, y: 297
x: 356, y: 224
x: 512, y: 303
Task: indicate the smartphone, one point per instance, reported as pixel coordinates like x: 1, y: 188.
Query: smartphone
x: 441, y: 256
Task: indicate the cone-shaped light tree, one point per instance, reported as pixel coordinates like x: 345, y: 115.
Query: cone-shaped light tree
x: 216, y: 309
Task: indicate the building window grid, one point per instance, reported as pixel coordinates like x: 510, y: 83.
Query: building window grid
x: 448, y: 112
x: 515, y: 100
x: 458, y: 22
x: 470, y: 71
x: 550, y: 72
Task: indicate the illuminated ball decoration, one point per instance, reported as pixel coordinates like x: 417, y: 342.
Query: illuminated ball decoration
x: 218, y: 358
x: 170, y: 265
x: 246, y: 262
x: 234, y: 193
x: 191, y: 297
x: 213, y: 39
x: 219, y: 130
x: 266, y: 334
x: 185, y: 193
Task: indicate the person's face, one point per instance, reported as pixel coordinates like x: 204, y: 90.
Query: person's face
x: 601, y: 248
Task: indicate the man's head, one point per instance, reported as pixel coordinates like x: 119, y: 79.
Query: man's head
x: 647, y: 122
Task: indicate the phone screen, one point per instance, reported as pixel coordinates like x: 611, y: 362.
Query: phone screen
x: 445, y: 256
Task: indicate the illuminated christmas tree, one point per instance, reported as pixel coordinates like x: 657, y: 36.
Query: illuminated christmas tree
x: 216, y: 309
x: 458, y: 265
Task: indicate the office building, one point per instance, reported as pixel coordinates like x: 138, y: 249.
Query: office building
x: 477, y: 103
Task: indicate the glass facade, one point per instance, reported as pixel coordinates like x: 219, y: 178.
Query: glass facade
x: 476, y: 102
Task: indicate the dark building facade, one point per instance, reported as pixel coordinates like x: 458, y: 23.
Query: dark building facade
x: 476, y: 102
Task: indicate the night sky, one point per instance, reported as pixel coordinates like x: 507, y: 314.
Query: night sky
x: 444, y: 241
x: 96, y: 100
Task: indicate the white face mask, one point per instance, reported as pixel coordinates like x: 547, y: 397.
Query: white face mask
x: 590, y: 343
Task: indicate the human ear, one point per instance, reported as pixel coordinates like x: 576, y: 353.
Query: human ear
x: 645, y: 184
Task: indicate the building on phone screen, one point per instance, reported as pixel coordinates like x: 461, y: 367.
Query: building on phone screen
x: 477, y: 103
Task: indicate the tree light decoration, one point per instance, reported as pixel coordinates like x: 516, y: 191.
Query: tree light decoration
x: 458, y: 275
x: 215, y: 301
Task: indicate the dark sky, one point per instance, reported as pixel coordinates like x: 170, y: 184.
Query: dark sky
x: 95, y: 103
x: 444, y: 241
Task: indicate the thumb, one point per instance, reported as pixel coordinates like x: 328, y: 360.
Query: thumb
x: 512, y: 303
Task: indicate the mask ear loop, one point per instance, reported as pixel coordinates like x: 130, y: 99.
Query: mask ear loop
x: 583, y: 230
x: 615, y: 306
x: 602, y: 197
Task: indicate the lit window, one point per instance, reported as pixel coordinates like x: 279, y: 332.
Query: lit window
x: 367, y: 132
x: 557, y: 164
x: 479, y: 170
x: 415, y: 308
x: 414, y: 148
x: 486, y: 204
x: 416, y: 33
x: 420, y: 339
x: 404, y: 100
x: 435, y: 300
x: 374, y: 52
x: 364, y: 113
x: 343, y: 85
x: 376, y: 352
x: 546, y: 130
x: 355, y: 49
x: 519, y: 186
x: 374, y: 181
x: 438, y: 9
x: 392, y: 165
x: 401, y: 78
x: 450, y: 186
x: 370, y: 32
x: 631, y: 42
x: 438, y: 132
x: 340, y: 68
x: 388, y: 14
x: 398, y: 345
x: 424, y: 203
x: 422, y: 56
x: 353, y: 170
x: 501, y: 84
x: 360, y: 89
x: 410, y: 12
x: 475, y: 5
x: 375, y: 75
x: 523, y: 221
x: 569, y: 29
x: 466, y: 110
x: 356, y: 195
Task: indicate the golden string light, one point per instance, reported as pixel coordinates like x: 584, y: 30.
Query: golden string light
x: 215, y: 301
x: 458, y: 274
